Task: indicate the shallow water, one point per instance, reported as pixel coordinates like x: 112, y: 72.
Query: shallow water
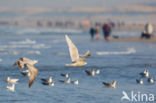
x: 121, y: 61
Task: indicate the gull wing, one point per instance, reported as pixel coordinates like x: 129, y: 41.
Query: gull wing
x: 33, y: 74
x: 88, y: 54
x: 72, y: 49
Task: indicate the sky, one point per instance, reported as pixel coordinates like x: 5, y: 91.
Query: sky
x: 71, y: 3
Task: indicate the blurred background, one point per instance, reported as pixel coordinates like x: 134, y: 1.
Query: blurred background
x: 78, y: 14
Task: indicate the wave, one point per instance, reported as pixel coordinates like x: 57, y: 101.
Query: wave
x: 40, y: 46
x: 129, y: 51
x: 1, y: 60
x: 14, y: 52
x: 46, y: 30
x: 26, y: 41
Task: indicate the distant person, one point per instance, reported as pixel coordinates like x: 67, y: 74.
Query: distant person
x: 97, y: 32
x: 92, y: 32
x: 106, y: 31
x: 147, y: 31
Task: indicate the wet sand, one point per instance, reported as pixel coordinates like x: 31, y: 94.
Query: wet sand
x: 134, y: 39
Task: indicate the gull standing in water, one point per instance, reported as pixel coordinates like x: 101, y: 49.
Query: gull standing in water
x: 47, y: 80
x: 151, y: 80
x: 97, y: 71
x: 74, y: 54
x: 66, y: 81
x: 25, y: 62
x: 48, y: 83
x: 113, y: 85
x: 76, y: 82
x: 145, y: 73
x: 91, y: 73
x: 65, y: 75
x: 139, y: 81
x: 12, y: 81
x: 11, y: 88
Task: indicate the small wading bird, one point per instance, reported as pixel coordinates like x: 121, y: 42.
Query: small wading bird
x: 25, y: 62
x: 74, y: 54
x: 113, y: 85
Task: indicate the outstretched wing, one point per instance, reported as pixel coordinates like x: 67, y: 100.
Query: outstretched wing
x: 33, y: 74
x: 88, y: 54
x: 74, y: 54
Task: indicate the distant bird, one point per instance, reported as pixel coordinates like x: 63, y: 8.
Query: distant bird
x: 139, y: 81
x: 22, y: 61
x: 151, y: 80
x: 49, y: 80
x: 65, y: 75
x: 12, y: 81
x: 66, y: 81
x: 145, y: 73
x: 11, y: 88
x: 76, y: 82
x: 48, y: 83
x: 113, y: 85
x: 26, y: 73
x: 91, y: 73
x: 74, y: 54
x: 25, y: 62
x: 97, y: 71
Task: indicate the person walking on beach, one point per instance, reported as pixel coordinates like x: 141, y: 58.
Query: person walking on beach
x: 106, y: 31
x: 92, y: 32
x: 97, y: 32
x: 147, y: 31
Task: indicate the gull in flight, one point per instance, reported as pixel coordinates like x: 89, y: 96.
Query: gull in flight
x: 113, y: 85
x: 12, y: 81
x: 20, y: 63
x: 11, y: 88
x: 74, y: 54
x: 25, y: 62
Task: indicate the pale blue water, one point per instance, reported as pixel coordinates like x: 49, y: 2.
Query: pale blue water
x: 116, y: 62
